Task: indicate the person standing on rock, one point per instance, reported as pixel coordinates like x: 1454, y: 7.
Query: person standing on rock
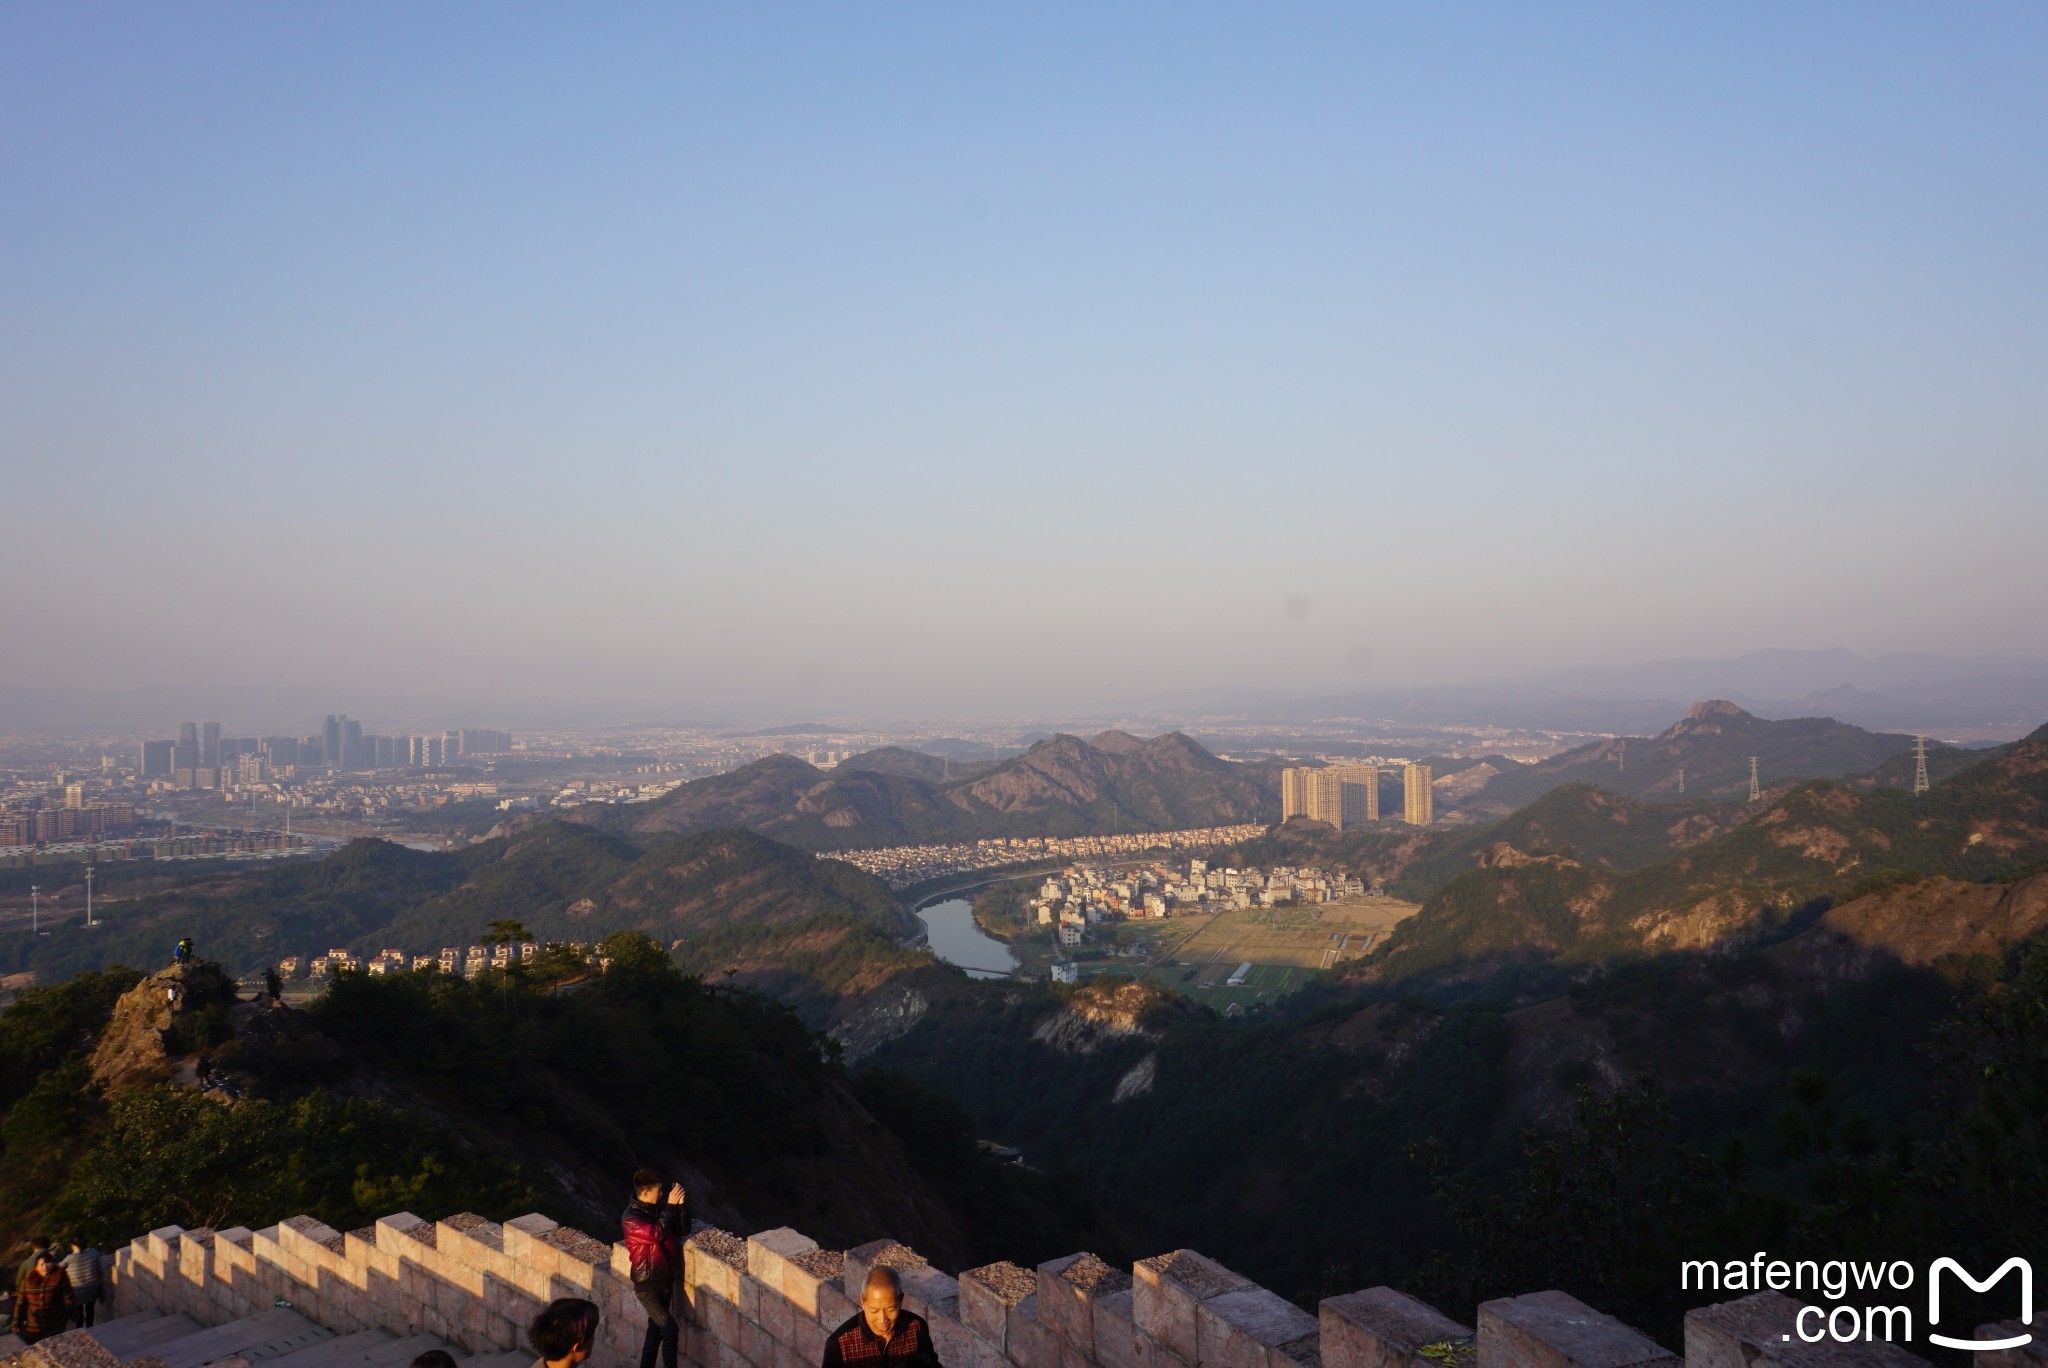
x: 653, y: 1231
x: 42, y: 1300
x: 82, y: 1267
x: 882, y: 1334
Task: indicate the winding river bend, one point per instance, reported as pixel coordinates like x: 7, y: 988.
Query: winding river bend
x: 950, y: 930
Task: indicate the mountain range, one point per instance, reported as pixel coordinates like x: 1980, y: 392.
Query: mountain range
x: 1711, y: 747
x: 1061, y: 786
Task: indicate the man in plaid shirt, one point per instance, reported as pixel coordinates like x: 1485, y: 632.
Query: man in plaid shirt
x: 883, y: 1335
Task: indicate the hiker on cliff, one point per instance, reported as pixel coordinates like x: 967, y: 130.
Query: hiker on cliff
x: 83, y: 1267
x: 564, y: 1333
x: 882, y: 1334
x: 42, y: 1300
x: 183, y: 954
x: 653, y: 1232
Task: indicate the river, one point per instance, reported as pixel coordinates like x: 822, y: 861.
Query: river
x: 949, y: 927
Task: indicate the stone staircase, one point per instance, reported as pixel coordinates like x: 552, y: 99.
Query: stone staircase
x: 277, y: 1338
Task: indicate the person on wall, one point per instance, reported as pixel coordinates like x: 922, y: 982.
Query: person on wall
x: 653, y: 1228
x: 882, y: 1334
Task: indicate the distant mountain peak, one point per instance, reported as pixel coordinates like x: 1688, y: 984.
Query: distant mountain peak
x: 1116, y: 742
x: 1714, y: 707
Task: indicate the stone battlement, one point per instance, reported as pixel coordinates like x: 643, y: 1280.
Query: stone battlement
x: 769, y: 1300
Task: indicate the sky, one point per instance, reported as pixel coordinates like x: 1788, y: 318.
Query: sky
x: 856, y: 357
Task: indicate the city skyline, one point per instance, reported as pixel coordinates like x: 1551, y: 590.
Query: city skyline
x: 855, y: 360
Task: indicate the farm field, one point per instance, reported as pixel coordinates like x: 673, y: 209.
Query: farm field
x: 1286, y: 946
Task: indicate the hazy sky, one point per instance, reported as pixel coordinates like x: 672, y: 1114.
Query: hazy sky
x: 959, y: 357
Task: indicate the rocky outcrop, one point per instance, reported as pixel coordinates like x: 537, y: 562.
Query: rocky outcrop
x: 152, y: 1027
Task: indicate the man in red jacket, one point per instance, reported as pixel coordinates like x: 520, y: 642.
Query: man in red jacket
x: 653, y: 1232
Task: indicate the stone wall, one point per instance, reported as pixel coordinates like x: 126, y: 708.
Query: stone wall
x: 768, y: 1301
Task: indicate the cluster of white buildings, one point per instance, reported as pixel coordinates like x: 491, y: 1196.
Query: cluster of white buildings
x: 1083, y: 895
x: 902, y: 866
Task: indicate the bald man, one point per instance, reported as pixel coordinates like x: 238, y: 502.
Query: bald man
x: 883, y: 1335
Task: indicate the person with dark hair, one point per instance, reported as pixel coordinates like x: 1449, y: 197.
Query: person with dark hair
x: 36, y: 1246
x: 653, y: 1232
x: 84, y: 1267
x: 435, y: 1358
x: 563, y: 1333
x: 882, y: 1334
x: 42, y: 1300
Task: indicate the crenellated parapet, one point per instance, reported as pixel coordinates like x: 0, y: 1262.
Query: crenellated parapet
x: 769, y: 1300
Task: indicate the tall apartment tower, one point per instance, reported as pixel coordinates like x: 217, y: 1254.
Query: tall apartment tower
x: 352, y: 756
x: 209, y: 746
x: 330, y: 748
x: 156, y: 759
x: 1342, y: 795
x: 1418, y: 799
x: 186, y: 754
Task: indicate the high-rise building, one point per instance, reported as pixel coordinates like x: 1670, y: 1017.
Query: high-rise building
x: 209, y: 745
x: 330, y: 750
x: 1342, y: 795
x: 156, y: 759
x: 426, y: 752
x: 352, y: 745
x: 1418, y: 806
x: 186, y: 756
x: 482, y: 741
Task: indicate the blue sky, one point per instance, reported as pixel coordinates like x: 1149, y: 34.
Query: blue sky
x: 952, y: 358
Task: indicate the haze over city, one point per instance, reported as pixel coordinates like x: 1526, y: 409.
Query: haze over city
x: 858, y: 360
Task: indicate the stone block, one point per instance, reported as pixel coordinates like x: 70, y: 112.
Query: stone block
x: 1383, y: 1328
x: 769, y: 1252
x: 396, y: 1233
x: 523, y: 1242
x: 778, y: 1318
x: 986, y: 1295
x: 729, y: 1356
x: 1030, y: 1343
x: 1168, y: 1288
x: 929, y: 1292
x: 834, y: 1306
x: 1116, y: 1338
x: 756, y: 1343
x: 1555, y: 1330
x: 1253, y: 1328
x: 705, y: 1269
x: 878, y: 1254
x: 719, y: 1317
x: 1067, y: 1290
x: 468, y: 1239
x: 806, y: 1278
x: 160, y: 1245
x: 750, y: 1298
x: 953, y: 1341
x: 1761, y: 1331
x: 786, y: 1356
x: 809, y: 1342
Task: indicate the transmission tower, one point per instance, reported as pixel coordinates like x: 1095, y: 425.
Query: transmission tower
x: 1920, y: 784
x: 1681, y: 778
x: 1621, y: 756
x: 1755, y: 792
